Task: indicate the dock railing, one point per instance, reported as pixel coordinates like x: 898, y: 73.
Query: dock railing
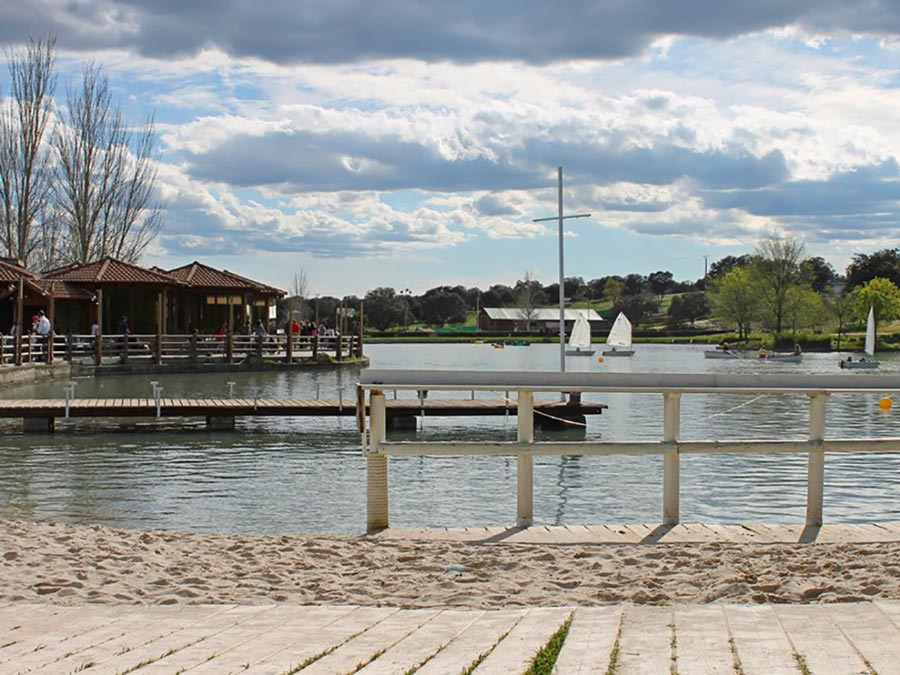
x: 173, y: 349
x: 671, y: 387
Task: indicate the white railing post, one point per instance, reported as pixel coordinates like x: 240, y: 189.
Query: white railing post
x: 815, y: 482
x: 671, y: 460
x: 525, y: 463
x: 377, y: 512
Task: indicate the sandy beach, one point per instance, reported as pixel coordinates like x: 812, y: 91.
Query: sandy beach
x: 73, y: 564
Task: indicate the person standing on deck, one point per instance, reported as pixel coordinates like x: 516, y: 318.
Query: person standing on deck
x: 42, y: 328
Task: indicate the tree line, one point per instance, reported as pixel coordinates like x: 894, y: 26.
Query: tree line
x: 774, y: 289
x: 76, y: 179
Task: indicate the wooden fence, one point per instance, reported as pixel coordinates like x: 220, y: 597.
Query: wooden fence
x: 173, y: 349
x: 670, y: 387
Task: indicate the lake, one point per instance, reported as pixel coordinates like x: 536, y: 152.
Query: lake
x: 276, y: 475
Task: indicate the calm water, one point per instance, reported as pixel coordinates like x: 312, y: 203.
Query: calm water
x: 277, y: 475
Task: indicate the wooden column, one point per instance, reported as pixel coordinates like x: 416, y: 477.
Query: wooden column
x: 160, y: 313
x: 377, y: 505
x: 525, y: 463
x: 98, y: 339
x: 815, y: 486
x: 20, y: 310
x: 51, y: 310
x: 359, y: 347
x: 671, y: 460
x: 289, y: 345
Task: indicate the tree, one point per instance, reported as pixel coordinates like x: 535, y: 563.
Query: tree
x: 863, y: 268
x: 883, y: 296
x: 443, y: 307
x: 687, y: 307
x: 595, y: 288
x: 529, y: 296
x: 736, y: 300
x: 105, y: 176
x: 660, y: 283
x: 637, y: 307
x: 777, y: 268
x: 25, y: 173
x: 612, y: 289
x: 841, y: 306
x: 818, y: 273
x: 803, y: 308
x: 633, y: 284
x: 384, y: 308
x: 294, y: 302
x: 722, y: 267
x: 498, y: 295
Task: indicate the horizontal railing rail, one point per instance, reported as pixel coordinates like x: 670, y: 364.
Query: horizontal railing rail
x: 669, y: 386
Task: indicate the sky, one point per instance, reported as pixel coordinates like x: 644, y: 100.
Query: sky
x: 411, y: 143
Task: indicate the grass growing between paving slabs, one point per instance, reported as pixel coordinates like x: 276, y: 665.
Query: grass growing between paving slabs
x: 545, y: 659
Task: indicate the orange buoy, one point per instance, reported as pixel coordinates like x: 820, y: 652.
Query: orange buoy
x: 886, y: 403
x: 600, y: 359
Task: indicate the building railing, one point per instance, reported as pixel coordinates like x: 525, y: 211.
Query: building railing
x: 671, y: 387
x: 169, y: 349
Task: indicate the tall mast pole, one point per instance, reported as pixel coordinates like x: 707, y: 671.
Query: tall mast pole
x: 562, y: 277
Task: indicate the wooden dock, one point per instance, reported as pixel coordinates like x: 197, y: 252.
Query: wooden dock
x: 40, y: 413
x: 321, y: 640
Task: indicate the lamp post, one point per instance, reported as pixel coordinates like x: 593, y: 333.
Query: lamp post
x: 406, y: 294
x: 562, y: 285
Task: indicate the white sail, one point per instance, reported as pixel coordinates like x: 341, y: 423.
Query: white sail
x: 580, y: 339
x: 870, y: 333
x: 620, y: 333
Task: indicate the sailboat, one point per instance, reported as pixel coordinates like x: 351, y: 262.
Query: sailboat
x: 619, y: 338
x: 579, y: 343
x: 869, y: 348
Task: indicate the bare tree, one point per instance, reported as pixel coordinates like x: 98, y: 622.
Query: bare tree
x: 529, y: 294
x: 299, y: 287
x: 105, y: 176
x: 25, y: 174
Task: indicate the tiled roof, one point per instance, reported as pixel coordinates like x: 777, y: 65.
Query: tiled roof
x: 198, y: 275
x: 542, y: 314
x: 61, y: 290
x: 11, y: 272
x: 111, y: 271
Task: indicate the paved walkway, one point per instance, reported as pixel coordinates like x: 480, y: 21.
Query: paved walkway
x: 750, y: 639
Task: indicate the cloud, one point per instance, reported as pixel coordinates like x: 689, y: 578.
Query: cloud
x: 286, y: 31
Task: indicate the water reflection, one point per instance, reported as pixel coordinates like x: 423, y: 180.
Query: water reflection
x: 307, y: 474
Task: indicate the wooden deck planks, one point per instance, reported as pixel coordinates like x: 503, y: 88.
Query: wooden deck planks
x: 479, y: 638
x: 514, y: 652
x: 645, y: 641
x: 831, y: 639
x: 701, y: 642
x: 820, y: 643
x: 423, y: 644
x: 871, y: 632
x: 760, y: 643
x: 588, y: 647
x: 364, y: 647
x: 315, y: 643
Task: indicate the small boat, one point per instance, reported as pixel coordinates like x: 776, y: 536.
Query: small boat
x: 720, y: 354
x: 782, y: 358
x: 579, y: 343
x: 619, y: 338
x: 869, y: 348
x: 498, y: 345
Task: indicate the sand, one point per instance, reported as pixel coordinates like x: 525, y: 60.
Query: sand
x: 73, y: 564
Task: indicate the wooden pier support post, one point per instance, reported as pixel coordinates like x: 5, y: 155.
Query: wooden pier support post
x: 671, y: 460
x: 525, y: 463
x: 815, y: 485
x: 377, y: 505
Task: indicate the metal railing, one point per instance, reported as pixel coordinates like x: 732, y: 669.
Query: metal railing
x: 670, y: 387
x: 163, y: 349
